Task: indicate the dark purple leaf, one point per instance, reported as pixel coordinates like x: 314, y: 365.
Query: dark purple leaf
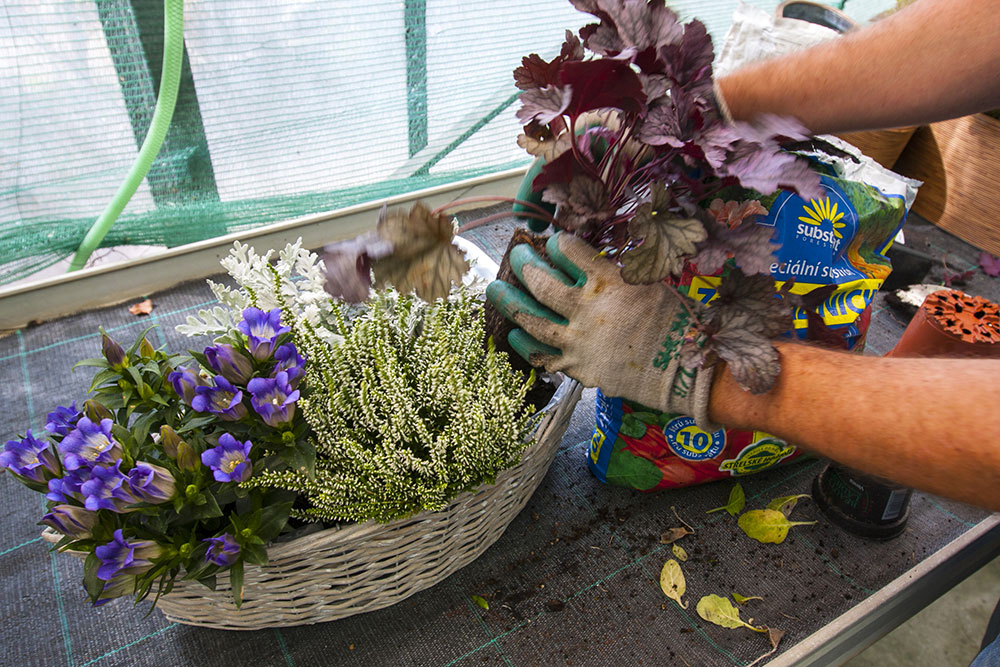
x: 750, y: 358
x: 958, y: 279
x: 544, y: 104
x: 989, y: 264
x: 560, y: 170
x: 750, y: 303
x: 602, y: 84
x: 689, y: 63
x: 664, y: 240
x: 348, y: 265
x: 750, y: 245
x: 583, y: 204
x: 627, y: 24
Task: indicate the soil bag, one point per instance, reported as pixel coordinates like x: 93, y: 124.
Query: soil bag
x: 839, y: 240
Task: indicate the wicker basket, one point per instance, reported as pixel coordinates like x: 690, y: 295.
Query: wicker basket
x: 355, y: 568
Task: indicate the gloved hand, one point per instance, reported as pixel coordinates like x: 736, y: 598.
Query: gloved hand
x: 590, y: 324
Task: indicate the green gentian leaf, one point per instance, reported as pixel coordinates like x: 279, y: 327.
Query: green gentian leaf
x: 93, y: 585
x: 272, y: 520
x: 481, y: 602
x: 236, y: 582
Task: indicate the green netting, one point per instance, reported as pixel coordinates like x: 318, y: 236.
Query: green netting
x: 286, y: 107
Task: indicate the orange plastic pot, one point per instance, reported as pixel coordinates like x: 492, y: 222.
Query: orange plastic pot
x: 951, y: 323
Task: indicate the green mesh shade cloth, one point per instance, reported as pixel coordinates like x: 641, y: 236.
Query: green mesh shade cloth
x: 286, y: 108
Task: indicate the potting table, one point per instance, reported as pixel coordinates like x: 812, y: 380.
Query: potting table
x: 573, y: 580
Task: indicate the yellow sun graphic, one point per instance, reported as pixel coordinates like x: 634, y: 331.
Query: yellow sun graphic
x: 822, y: 210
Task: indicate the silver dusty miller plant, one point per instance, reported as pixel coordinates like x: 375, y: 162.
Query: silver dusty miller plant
x: 409, y: 410
x: 293, y: 280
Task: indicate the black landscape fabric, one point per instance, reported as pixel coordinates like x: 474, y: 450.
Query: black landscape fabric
x: 573, y: 581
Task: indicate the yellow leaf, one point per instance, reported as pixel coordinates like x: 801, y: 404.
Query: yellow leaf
x: 672, y: 582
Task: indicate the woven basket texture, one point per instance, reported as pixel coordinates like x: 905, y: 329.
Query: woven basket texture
x: 346, y: 570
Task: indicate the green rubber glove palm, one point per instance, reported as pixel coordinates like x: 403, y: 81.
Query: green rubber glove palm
x: 587, y: 322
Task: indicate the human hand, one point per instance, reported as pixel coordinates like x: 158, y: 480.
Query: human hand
x: 584, y: 320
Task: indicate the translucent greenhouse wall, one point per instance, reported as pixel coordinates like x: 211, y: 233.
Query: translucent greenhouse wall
x: 286, y: 107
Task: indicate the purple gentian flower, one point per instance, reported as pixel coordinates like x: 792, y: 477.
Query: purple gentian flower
x: 31, y: 458
x: 107, y: 489
x: 151, y: 483
x: 89, y: 443
x: 120, y: 556
x: 62, y: 420
x: 66, y: 488
x: 76, y: 522
x: 273, y: 398
x: 261, y: 330
x: 229, y: 362
x: 223, y: 399
x: 291, y: 362
x: 222, y: 550
x: 184, y: 382
x: 228, y: 461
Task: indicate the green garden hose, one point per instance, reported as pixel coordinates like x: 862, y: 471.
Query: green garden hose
x: 170, y: 79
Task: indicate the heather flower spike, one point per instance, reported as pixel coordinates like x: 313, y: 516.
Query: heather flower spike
x: 222, y: 551
x: 262, y: 330
x: 273, y: 398
x: 229, y: 461
x: 90, y: 443
x: 223, y: 399
x: 121, y: 557
x: 31, y: 459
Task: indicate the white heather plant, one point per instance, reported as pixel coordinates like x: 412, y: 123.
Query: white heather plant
x: 409, y: 410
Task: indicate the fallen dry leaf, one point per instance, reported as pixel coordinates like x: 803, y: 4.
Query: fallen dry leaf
x: 141, y: 308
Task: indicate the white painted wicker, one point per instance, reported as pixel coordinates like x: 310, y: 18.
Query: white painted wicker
x: 355, y: 568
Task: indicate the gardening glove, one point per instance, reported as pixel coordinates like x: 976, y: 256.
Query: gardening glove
x: 590, y: 324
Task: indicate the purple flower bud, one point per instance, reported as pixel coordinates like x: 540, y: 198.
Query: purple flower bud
x: 31, y: 458
x: 273, y: 398
x: 187, y: 458
x: 229, y: 362
x: 76, y: 522
x: 116, y: 588
x: 113, y: 352
x: 184, y: 382
x: 95, y: 411
x: 262, y: 330
x: 120, y: 556
x: 108, y: 489
x: 146, y: 350
x: 169, y: 440
x: 89, y: 443
x: 223, y: 399
x: 62, y: 420
x: 291, y: 362
x: 229, y: 461
x: 151, y: 483
x: 222, y: 550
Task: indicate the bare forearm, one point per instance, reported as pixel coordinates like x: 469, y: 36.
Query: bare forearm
x: 933, y: 60
x: 932, y: 424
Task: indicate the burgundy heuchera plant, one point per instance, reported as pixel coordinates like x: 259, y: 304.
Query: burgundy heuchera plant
x: 637, y: 155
